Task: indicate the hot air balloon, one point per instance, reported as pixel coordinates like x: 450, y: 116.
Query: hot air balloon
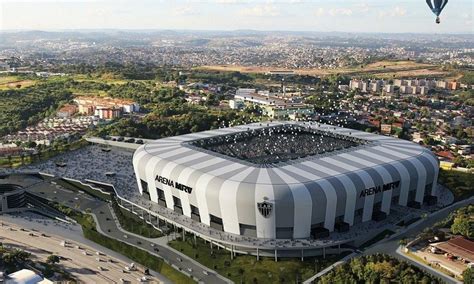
x: 437, y: 6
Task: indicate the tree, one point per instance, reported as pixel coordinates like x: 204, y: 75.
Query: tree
x: 52, y: 259
x: 15, y: 258
x: 463, y: 225
x: 460, y: 161
x: 429, y: 141
x: 241, y: 273
x: 468, y: 275
x: 460, y: 134
x: 378, y: 268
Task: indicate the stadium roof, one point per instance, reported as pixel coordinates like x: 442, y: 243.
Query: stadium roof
x: 379, y: 152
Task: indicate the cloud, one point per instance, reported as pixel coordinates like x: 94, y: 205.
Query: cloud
x: 266, y: 10
x: 334, y: 12
x: 340, y: 12
x: 396, y: 11
x: 184, y: 11
x: 227, y: 1
x: 467, y: 16
x: 362, y: 7
x: 319, y: 12
x: 399, y: 11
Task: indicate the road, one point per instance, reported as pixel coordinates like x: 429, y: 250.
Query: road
x: 107, y: 225
x: 72, y: 232
x: 80, y: 260
x: 391, y: 245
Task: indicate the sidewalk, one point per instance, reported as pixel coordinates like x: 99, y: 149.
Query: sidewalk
x: 329, y: 268
x: 161, y: 244
x: 388, y: 245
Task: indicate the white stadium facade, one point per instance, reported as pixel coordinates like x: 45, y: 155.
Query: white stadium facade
x: 285, y: 180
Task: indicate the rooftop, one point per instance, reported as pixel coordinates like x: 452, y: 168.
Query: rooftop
x: 458, y: 246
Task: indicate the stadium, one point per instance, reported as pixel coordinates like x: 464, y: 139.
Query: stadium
x: 285, y: 180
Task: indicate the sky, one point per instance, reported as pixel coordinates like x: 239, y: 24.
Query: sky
x: 398, y: 16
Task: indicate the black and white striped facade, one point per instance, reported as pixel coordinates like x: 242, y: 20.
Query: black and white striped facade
x: 286, y: 200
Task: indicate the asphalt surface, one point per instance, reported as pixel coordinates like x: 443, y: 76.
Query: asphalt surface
x: 72, y: 232
x: 391, y: 245
x: 107, y: 226
x: 81, y: 261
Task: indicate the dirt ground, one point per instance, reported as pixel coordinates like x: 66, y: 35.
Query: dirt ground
x: 383, y: 69
x: 455, y: 267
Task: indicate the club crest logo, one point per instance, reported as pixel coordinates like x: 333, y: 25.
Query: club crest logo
x: 265, y: 208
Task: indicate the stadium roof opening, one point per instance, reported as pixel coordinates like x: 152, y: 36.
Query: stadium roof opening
x: 274, y: 144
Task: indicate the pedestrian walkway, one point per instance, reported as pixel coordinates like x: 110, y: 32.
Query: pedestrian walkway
x: 178, y: 261
x: 331, y: 267
x: 162, y: 244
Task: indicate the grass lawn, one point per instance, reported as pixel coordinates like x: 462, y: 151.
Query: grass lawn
x: 138, y: 255
x: 8, y: 79
x: 248, y: 269
x: 382, y: 235
x: 107, y: 78
x: 12, y: 82
x: 461, y: 184
x: 133, y: 223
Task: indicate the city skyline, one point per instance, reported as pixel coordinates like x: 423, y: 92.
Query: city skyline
x: 289, y: 15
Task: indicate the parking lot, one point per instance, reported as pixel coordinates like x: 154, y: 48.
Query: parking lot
x: 107, y: 225
x: 84, y: 263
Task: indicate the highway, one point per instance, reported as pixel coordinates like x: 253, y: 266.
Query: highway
x: 107, y: 225
x: 80, y: 260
